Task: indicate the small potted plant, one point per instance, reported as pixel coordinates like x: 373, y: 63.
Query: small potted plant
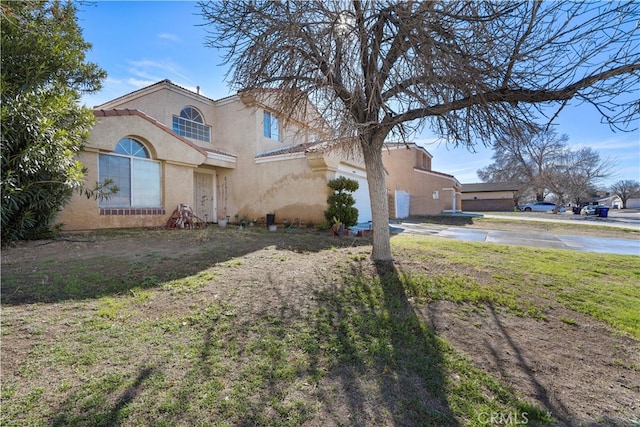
x: 337, y: 229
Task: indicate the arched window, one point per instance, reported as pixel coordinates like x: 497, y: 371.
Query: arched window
x: 137, y: 177
x: 192, y: 114
x: 131, y: 147
x: 190, y: 123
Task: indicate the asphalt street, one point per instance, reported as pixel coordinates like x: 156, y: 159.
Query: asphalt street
x: 536, y: 239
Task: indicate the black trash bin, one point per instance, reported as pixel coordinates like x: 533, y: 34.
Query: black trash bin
x: 271, y: 219
x: 603, y: 212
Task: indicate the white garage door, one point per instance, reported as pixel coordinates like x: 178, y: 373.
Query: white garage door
x: 363, y: 204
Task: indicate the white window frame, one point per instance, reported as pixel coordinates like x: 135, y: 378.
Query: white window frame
x: 140, y: 188
x: 192, y: 126
x: 271, y: 126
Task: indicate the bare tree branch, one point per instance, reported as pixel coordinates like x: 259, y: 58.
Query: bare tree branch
x: 469, y: 70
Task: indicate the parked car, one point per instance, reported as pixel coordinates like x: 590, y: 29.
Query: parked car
x: 541, y: 207
x: 577, y: 210
x: 592, y: 210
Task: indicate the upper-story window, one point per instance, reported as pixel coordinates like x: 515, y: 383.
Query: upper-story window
x: 271, y: 126
x: 422, y: 161
x: 137, y: 176
x: 191, y: 124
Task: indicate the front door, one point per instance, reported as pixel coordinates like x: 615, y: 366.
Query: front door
x: 204, y: 202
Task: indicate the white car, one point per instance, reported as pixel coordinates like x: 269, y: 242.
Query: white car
x: 541, y: 207
x: 592, y: 210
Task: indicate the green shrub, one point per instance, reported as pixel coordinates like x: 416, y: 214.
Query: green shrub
x: 341, y: 201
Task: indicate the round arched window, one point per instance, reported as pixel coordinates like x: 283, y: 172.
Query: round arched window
x: 131, y: 147
x: 192, y: 114
x: 191, y: 124
x: 130, y: 168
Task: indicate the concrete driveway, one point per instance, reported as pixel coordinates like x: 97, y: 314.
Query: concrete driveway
x: 536, y: 239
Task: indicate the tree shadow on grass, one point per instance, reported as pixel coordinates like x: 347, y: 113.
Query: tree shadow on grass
x: 362, y: 357
x: 551, y: 403
x: 387, y: 343
x: 359, y: 356
x: 101, y: 265
x: 97, y: 411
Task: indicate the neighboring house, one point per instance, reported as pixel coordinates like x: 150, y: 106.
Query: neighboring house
x: 615, y: 202
x: 413, y: 188
x: 489, y: 196
x: 164, y: 145
x: 633, y: 202
x: 612, y: 201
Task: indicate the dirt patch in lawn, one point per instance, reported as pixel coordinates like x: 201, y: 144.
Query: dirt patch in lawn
x: 581, y: 371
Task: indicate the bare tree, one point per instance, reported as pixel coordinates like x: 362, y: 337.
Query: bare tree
x: 469, y: 70
x: 625, y: 189
x: 542, y: 162
x: 525, y: 154
x: 573, y: 173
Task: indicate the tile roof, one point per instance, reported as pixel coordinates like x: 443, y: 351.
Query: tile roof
x: 300, y: 148
x: 165, y: 82
x: 216, y: 151
x: 309, y: 147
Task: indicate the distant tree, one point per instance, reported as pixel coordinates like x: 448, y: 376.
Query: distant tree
x: 542, y: 162
x: 625, y: 189
x: 380, y: 70
x: 573, y: 174
x: 522, y: 155
x: 43, y: 74
x: 341, y: 201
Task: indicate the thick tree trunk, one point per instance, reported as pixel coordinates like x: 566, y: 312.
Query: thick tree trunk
x: 379, y: 203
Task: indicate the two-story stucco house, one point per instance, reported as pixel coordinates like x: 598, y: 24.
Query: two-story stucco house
x: 164, y: 145
x: 413, y: 187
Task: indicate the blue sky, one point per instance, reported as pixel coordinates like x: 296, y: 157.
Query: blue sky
x: 140, y: 43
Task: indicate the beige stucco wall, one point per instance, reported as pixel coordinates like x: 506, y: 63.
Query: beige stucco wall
x: 420, y: 184
x: 163, y: 101
x: 177, y: 161
x: 283, y: 184
x: 291, y: 185
x: 298, y: 193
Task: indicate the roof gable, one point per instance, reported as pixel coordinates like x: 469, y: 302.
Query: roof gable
x: 161, y: 85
